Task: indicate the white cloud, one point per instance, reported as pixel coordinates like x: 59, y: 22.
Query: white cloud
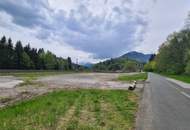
x: 92, y: 30
x: 66, y: 5
x: 64, y: 50
x: 164, y: 17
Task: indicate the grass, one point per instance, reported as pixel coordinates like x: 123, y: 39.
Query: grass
x: 73, y: 110
x: 29, y: 76
x: 32, y: 74
x: 137, y: 77
x: 183, y: 78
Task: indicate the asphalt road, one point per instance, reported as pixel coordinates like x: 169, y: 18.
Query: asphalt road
x: 165, y: 106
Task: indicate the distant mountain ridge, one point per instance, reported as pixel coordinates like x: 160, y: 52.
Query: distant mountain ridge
x: 130, y: 62
x: 137, y: 56
x: 88, y: 64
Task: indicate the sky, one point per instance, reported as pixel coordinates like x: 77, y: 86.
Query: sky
x: 92, y: 30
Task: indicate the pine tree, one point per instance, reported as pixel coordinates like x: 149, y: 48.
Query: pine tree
x: 20, y: 57
x: 10, y: 54
x: 69, y: 62
x: 3, y: 53
x: 19, y: 50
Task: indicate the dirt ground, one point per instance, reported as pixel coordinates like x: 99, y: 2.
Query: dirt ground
x: 11, y: 92
x: 9, y: 81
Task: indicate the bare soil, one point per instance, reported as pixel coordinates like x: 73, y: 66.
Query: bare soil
x: 10, y: 91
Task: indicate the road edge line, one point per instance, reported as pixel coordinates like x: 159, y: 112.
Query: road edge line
x: 185, y: 94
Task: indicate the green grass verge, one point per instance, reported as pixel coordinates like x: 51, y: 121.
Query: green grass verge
x: 183, y: 78
x: 73, y: 110
x: 137, y: 77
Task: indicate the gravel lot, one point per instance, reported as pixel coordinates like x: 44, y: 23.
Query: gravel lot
x: 9, y: 92
x: 85, y: 80
x: 9, y: 82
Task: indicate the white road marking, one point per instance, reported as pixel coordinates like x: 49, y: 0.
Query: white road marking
x: 185, y: 94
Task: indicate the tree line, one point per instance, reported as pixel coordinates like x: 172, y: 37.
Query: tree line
x: 173, y: 56
x: 24, y: 57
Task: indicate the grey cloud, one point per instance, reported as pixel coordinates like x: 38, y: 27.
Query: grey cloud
x: 25, y: 13
x: 109, y: 41
x: 82, y: 30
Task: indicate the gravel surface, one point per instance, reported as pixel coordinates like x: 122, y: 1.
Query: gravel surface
x: 10, y: 93
x: 85, y: 80
x: 9, y: 82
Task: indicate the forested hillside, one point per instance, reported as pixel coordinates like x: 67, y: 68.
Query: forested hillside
x: 137, y: 56
x: 174, y: 55
x: 119, y: 64
x: 19, y: 57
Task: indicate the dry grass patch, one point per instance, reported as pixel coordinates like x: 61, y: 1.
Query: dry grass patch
x: 63, y: 121
x: 112, y: 119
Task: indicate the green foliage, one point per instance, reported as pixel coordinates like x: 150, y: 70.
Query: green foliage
x: 6, y: 54
x: 20, y: 57
x: 187, y: 59
x: 187, y: 68
x: 73, y: 109
x: 172, y: 57
x: 69, y: 63
x: 131, y: 66
x: 118, y: 64
x: 150, y: 66
x: 50, y: 60
x: 26, y: 62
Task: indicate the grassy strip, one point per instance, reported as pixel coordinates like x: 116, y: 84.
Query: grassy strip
x: 137, y: 77
x: 32, y: 74
x: 81, y: 108
x: 29, y: 76
x: 183, y: 78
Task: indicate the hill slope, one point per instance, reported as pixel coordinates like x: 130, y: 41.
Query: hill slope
x: 118, y: 65
x: 140, y: 57
x: 130, y: 62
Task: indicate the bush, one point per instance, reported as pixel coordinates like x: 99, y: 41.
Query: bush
x: 150, y: 67
x: 187, y: 68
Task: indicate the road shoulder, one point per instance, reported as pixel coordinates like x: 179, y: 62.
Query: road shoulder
x: 179, y: 83
x: 143, y: 120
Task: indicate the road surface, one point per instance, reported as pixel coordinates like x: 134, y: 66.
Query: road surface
x: 165, y: 106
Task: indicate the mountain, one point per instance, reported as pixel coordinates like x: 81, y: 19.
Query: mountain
x: 130, y: 62
x: 88, y: 65
x: 120, y: 64
x: 140, y: 57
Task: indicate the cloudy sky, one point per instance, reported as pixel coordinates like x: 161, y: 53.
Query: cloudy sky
x: 92, y: 30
